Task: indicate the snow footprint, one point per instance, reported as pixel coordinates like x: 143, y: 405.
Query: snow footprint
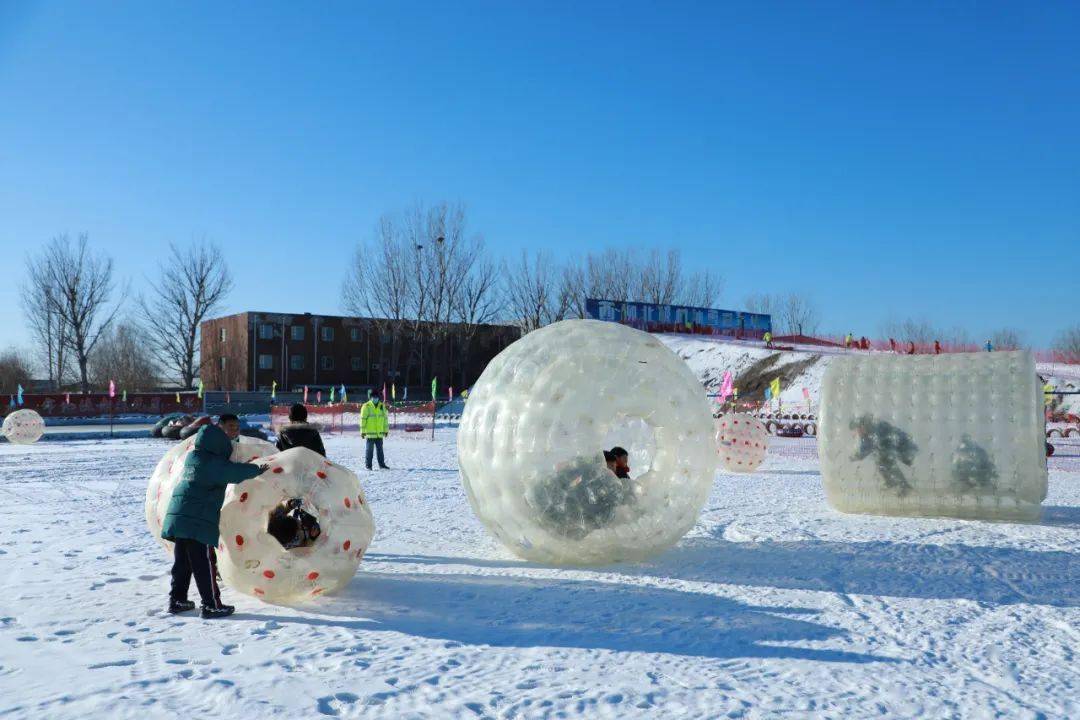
x: 329, y: 704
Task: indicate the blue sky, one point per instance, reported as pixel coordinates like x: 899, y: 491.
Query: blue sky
x: 889, y: 159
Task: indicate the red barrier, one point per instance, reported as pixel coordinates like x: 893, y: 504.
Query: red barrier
x: 101, y: 405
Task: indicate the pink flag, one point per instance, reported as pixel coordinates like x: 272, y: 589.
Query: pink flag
x: 112, y: 389
x: 727, y: 385
x: 806, y: 393
x: 67, y: 399
x: 305, y: 394
x: 227, y: 398
x: 318, y: 396
x: 451, y: 393
x: 384, y: 393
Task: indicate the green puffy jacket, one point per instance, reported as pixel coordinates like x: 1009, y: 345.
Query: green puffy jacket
x: 195, y: 507
x: 373, y: 420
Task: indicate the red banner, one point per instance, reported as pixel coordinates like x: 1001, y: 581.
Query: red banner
x: 101, y: 405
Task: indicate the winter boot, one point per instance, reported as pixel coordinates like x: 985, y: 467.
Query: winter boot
x: 179, y: 606
x: 210, y: 613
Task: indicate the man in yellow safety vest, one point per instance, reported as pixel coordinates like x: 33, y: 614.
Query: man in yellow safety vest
x: 374, y: 426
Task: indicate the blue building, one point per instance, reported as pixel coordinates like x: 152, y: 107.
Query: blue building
x: 679, y: 318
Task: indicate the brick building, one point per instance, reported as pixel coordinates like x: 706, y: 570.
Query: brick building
x: 251, y: 350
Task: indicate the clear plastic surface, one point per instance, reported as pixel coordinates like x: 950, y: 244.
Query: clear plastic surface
x: 742, y: 442
x: 23, y: 427
x: 535, y: 425
x: 957, y: 435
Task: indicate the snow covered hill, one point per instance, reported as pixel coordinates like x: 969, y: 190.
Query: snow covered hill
x: 803, y: 367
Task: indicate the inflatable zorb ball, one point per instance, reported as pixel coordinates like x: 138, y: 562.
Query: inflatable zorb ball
x: 742, y: 442
x: 170, y: 469
x: 531, y: 441
x: 254, y: 562
x: 23, y: 427
x: 958, y: 435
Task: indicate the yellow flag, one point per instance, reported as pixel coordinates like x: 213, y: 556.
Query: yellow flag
x: 775, y: 387
x: 178, y: 397
x: 1047, y: 390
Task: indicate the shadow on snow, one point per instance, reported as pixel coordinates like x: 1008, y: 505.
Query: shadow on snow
x: 503, y: 611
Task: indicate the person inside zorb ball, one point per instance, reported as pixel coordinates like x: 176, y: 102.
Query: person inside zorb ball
x: 23, y: 427
x: 293, y: 533
x: 532, y: 438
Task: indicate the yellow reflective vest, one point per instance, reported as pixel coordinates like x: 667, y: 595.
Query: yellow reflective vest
x: 373, y: 420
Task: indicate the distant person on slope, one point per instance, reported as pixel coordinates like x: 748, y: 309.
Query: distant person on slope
x: 191, y: 520
x: 298, y: 433
x: 768, y: 339
x: 989, y: 346
x: 374, y: 426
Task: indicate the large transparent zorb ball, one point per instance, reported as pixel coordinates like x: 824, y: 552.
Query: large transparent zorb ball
x: 170, y: 469
x: 742, y: 442
x: 959, y: 435
x: 531, y: 441
x: 255, y: 562
x: 23, y: 427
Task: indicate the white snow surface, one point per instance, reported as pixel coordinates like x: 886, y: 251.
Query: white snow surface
x: 772, y: 606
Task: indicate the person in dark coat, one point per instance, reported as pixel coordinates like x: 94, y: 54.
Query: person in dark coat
x: 191, y: 520
x: 298, y: 433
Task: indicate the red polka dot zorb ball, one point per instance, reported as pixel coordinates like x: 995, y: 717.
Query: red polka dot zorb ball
x: 263, y: 549
x: 23, y: 427
x: 256, y: 558
x: 742, y: 442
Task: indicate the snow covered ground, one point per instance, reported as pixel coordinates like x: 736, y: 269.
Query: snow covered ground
x: 773, y: 606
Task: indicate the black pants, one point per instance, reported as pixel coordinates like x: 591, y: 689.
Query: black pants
x: 191, y: 557
x: 374, y: 444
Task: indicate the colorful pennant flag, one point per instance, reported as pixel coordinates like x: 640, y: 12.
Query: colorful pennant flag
x: 67, y: 399
x: 405, y: 394
x: 318, y: 396
x: 775, y: 387
x: 112, y: 389
x: 200, y: 388
x: 726, y: 385
x: 344, y: 395
x: 124, y: 396
x: 273, y: 390
x: 384, y: 393
x: 393, y: 391
x: 768, y: 394
x: 20, y: 391
x: 333, y: 392
x: 177, y: 397
x: 434, y: 386
x: 305, y: 394
x: 451, y: 393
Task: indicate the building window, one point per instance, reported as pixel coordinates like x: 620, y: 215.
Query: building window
x: 222, y: 362
x: 357, y: 363
x: 328, y: 334
x: 221, y: 334
x: 296, y: 362
x: 266, y: 362
x: 266, y: 331
x: 297, y: 332
x: 327, y: 362
x: 355, y: 335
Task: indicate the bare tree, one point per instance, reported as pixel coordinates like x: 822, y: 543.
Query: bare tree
x: 1068, y: 343
x: 46, y: 324
x: 1007, y: 339
x: 124, y: 355
x: 532, y: 295
x: 798, y: 315
x: 80, y: 287
x: 192, y: 284
x: 920, y: 332
x: 15, y: 370
x: 764, y: 303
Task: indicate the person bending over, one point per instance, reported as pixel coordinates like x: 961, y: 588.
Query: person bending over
x: 622, y: 462
x: 191, y: 520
